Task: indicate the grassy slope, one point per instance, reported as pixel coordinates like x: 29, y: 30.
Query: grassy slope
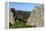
x: 18, y: 25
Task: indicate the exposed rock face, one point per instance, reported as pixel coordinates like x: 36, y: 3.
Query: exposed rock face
x: 11, y: 19
x: 36, y: 17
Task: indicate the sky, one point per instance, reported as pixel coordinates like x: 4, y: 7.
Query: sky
x: 22, y: 6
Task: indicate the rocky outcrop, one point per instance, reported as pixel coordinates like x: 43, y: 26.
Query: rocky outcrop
x: 37, y: 17
x: 11, y: 19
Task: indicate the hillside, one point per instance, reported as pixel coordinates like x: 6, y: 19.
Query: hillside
x: 21, y: 19
x: 22, y: 14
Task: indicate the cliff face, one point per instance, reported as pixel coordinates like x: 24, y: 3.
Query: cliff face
x: 11, y: 19
x: 36, y: 17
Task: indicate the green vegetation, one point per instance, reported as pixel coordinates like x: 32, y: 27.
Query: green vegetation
x: 19, y: 24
